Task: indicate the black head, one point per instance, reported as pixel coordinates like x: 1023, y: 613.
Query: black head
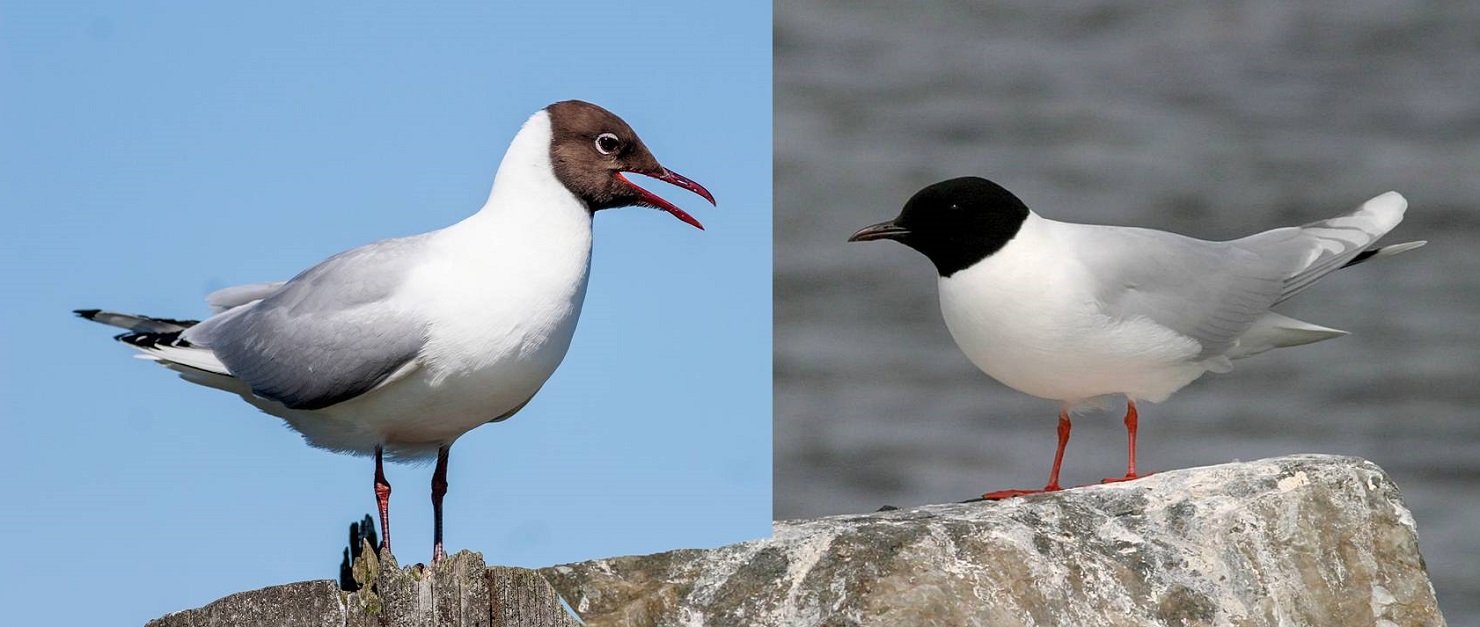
x: 591, y: 147
x: 955, y: 223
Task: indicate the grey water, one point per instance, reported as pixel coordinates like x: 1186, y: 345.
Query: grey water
x: 1211, y: 119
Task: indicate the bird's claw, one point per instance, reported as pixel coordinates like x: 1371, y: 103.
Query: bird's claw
x: 1007, y: 494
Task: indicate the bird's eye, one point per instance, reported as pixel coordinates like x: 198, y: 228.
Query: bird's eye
x: 607, y: 143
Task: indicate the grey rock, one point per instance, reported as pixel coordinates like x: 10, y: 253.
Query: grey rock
x: 1302, y: 540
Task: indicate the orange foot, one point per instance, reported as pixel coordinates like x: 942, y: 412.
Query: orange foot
x: 1007, y: 494
x: 1128, y: 477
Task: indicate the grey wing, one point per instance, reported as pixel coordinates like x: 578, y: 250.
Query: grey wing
x: 328, y: 335
x: 1214, y: 292
x: 236, y: 296
x: 1321, y: 248
x: 1211, y: 292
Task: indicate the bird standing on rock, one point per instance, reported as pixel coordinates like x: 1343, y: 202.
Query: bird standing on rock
x: 401, y: 346
x: 1077, y: 313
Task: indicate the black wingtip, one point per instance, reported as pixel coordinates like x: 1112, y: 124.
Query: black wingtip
x: 151, y: 340
x: 88, y: 314
x: 1362, y: 256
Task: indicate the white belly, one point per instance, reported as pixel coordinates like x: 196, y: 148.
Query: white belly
x: 499, y: 320
x: 496, y: 296
x: 1020, y: 320
x: 480, y: 365
x: 472, y: 371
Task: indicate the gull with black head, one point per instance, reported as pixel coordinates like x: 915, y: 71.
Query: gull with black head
x: 1082, y: 313
x: 398, y: 347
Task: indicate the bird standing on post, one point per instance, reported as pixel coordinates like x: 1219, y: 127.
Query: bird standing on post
x: 401, y: 346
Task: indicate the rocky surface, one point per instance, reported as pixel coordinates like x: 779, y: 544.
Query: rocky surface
x: 461, y: 591
x: 1304, y: 540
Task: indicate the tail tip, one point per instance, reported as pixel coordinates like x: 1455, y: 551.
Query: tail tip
x: 1391, y: 200
x: 1393, y: 249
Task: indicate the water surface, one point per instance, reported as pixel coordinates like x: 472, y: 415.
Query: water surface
x: 1214, y: 121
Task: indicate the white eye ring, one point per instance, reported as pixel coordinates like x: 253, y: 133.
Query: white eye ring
x: 615, y: 142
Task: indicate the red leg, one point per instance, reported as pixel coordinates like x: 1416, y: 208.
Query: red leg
x: 1130, y: 429
x: 383, y: 499
x: 1053, y: 475
x: 1058, y: 456
x: 439, y: 489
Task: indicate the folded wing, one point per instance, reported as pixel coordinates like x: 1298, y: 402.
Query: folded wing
x: 330, y: 334
x: 1217, y: 292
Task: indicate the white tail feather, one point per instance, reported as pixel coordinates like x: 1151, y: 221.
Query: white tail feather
x: 1394, y: 249
x: 198, y: 358
x: 1273, y: 331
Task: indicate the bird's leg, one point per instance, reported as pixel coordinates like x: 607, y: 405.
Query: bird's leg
x: 439, y: 489
x: 1130, y: 429
x: 1053, y: 475
x: 1058, y: 456
x: 383, y: 499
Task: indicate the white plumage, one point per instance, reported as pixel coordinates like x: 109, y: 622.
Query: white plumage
x: 401, y: 346
x: 1081, y: 313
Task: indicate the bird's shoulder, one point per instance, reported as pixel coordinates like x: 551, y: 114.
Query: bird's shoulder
x: 1207, y: 290
x: 360, y: 275
x: 333, y: 332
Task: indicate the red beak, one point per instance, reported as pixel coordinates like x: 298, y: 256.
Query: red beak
x: 669, y: 176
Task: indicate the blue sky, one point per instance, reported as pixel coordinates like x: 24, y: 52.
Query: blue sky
x: 155, y: 152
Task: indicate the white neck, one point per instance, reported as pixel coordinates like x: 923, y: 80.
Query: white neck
x: 527, y: 203
x: 527, y: 161
x: 531, y: 242
x: 505, y: 288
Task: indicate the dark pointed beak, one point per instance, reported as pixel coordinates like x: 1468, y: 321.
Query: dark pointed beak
x: 650, y: 199
x: 882, y: 230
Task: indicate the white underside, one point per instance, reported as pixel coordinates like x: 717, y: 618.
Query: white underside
x: 497, y: 296
x: 1029, y: 317
x: 1022, y: 320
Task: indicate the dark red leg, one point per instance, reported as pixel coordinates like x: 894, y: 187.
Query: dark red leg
x: 439, y: 489
x: 1130, y: 429
x: 1053, y: 475
x: 383, y: 499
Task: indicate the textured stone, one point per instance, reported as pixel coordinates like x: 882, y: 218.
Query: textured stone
x: 1303, y: 540
x: 459, y: 592
x: 1306, y: 540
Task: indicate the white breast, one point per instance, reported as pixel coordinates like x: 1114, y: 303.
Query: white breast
x: 500, y: 294
x: 1028, y: 317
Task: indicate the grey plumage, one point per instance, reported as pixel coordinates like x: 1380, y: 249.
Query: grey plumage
x: 325, y: 336
x: 238, y: 295
x: 135, y: 324
x: 1215, y: 292
x: 1211, y: 292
